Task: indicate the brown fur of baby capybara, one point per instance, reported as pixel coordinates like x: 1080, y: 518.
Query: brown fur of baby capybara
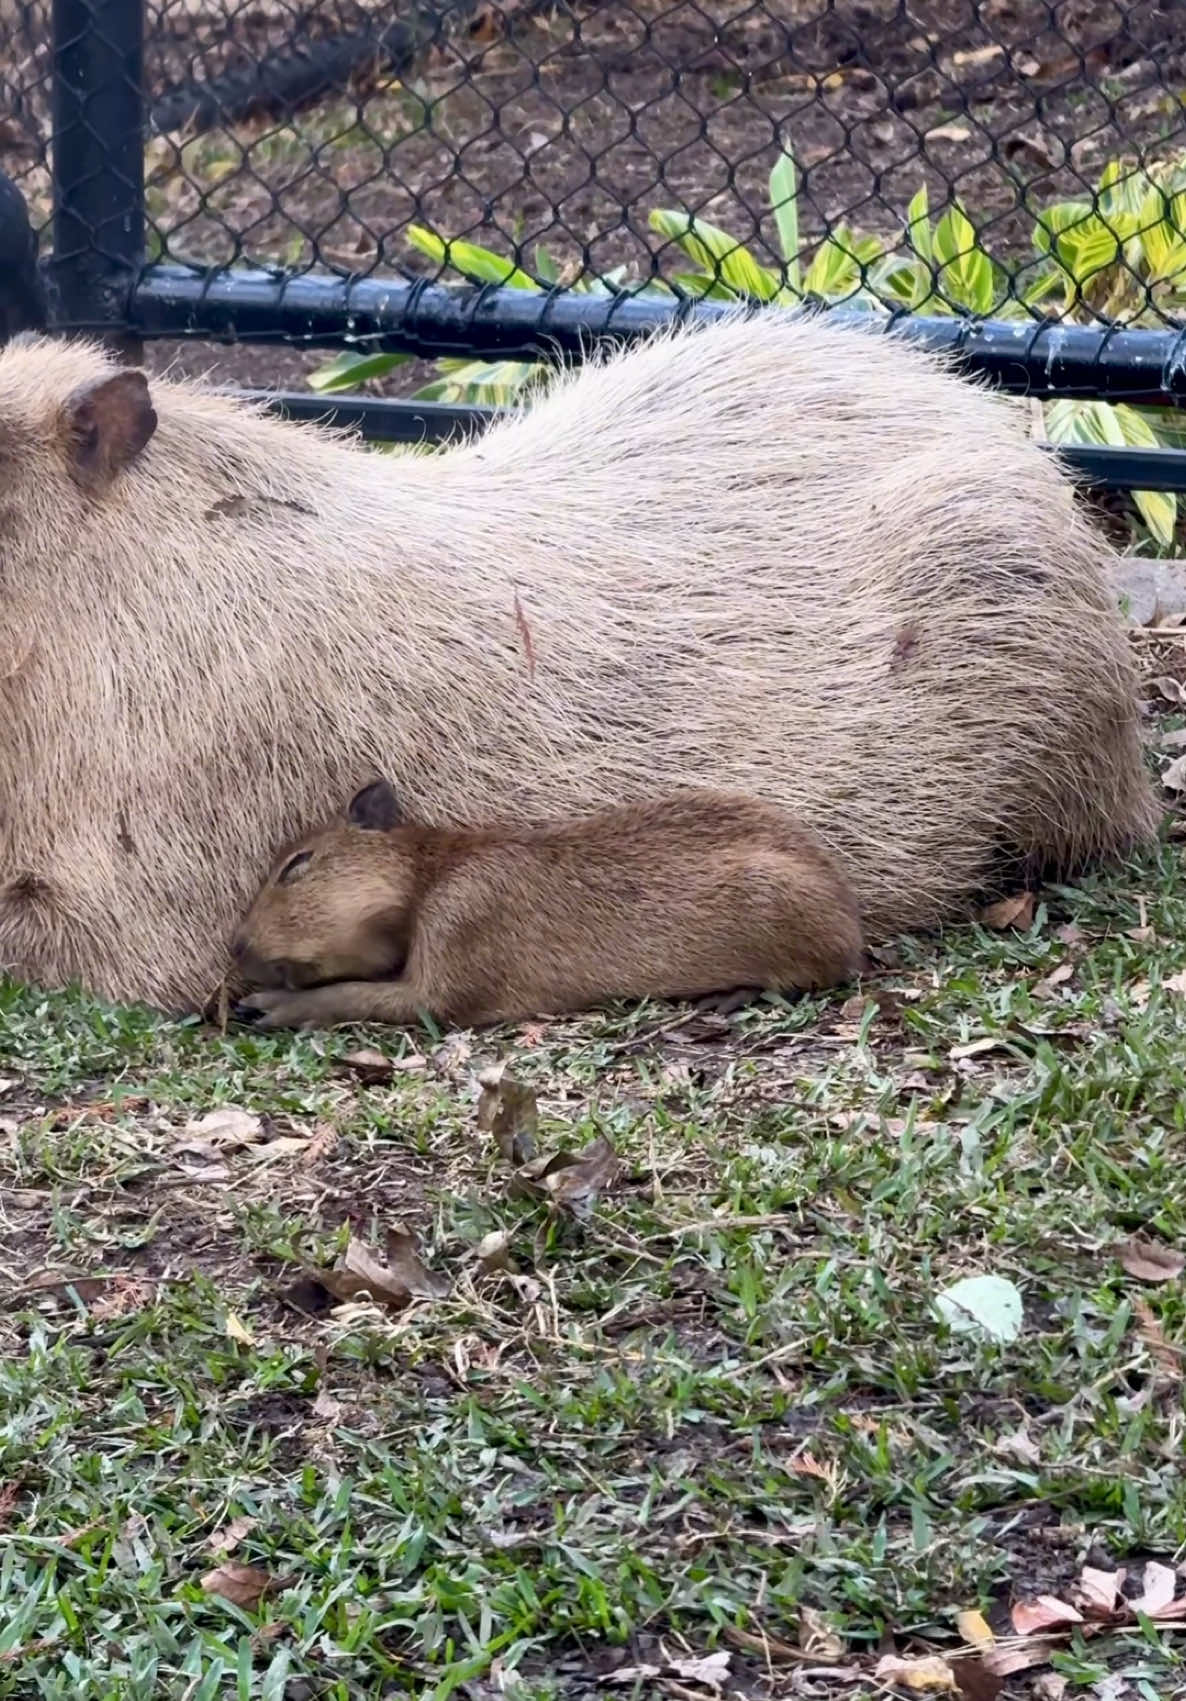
x: 675, y: 898
x: 791, y: 560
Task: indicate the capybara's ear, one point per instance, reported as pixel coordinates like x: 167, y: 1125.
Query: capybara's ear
x: 375, y: 807
x: 107, y: 423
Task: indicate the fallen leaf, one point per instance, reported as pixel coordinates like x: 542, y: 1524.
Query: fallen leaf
x: 974, y: 1629
x: 770, y: 1647
x: 948, y: 133
x: 986, y: 1305
x: 374, y: 1068
x: 243, y: 1585
x: 397, y: 1283
x: 1159, y: 1585
x: 124, y: 1294
x: 226, y: 1127
x: 1099, y: 1591
x: 1175, y: 740
x: 1168, y: 1358
x: 227, y: 1539
x: 320, y: 1144
x: 1070, y: 933
x: 326, y: 1408
x: 631, y: 1674
x: 1173, y: 775
x: 711, y: 1669
x: 1151, y: 1260
x: 236, y: 1331
x: 1111, y: 1688
x: 1042, y: 1613
x: 1018, y: 1444
x: 926, y: 1675
x: 806, y: 1465
x: 507, y: 1110
x: 492, y: 1251
x: 977, y: 1047
x: 1174, y: 983
x: 1016, y: 911
x: 1050, y: 1686
x: 817, y: 1637
x: 1057, y: 977
x: 579, y: 1183
x: 1004, y: 1661
x: 1168, y: 687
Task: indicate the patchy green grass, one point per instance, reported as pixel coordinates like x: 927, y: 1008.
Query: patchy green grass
x: 720, y: 1398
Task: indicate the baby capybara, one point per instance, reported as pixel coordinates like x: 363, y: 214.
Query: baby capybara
x: 371, y: 919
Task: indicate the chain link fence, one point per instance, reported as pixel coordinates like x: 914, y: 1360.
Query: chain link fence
x: 977, y: 155
x: 1008, y: 175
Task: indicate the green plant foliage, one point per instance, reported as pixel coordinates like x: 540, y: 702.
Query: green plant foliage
x: 1117, y: 257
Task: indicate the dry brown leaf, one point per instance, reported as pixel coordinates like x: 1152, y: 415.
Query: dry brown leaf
x: 243, y: 1585
x: 1175, y: 740
x: 1099, y: 1591
x: 227, y: 1539
x: 223, y: 1128
x: 771, y: 1648
x: 1070, y: 933
x: 1016, y: 911
x: 926, y: 1675
x: 579, y: 1183
x: 237, y: 1331
x: 1169, y: 1358
x: 949, y: 133
x: 1159, y: 1585
x: 710, y: 1669
x: 397, y: 1283
x: 1174, y: 983
x: 805, y: 1464
x: 507, y: 1110
x: 320, y: 1144
x: 631, y: 1674
x: 1151, y: 1260
x: 1018, y: 1444
x: 124, y: 1294
x: 374, y: 1068
x: 1004, y: 1661
x: 817, y: 1638
x: 326, y: 1408
x: 493, y: 1252
x: 973, y: 1627
x: 1167, y: 687
x: 1050, y: 1686
x: 1173, y: 775
x: 1043, y: 1613
x: 1056, y: 978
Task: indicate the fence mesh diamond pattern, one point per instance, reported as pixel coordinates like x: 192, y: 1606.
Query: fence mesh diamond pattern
x: 993, y: 156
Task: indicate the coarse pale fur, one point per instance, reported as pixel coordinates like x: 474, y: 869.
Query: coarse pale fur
x: 788, y: 559
x: 373, y: 919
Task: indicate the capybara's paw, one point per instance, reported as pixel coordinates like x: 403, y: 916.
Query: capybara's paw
x: 272, y: 1010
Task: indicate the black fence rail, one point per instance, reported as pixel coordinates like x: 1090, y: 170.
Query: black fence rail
x: 466, y: 181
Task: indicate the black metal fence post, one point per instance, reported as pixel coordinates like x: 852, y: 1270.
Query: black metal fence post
x: 98, y: 164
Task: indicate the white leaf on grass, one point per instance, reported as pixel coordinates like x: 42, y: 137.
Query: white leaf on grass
x: 984, y: 1305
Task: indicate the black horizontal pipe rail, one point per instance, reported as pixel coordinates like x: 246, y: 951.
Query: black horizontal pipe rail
x: 382, y: 421
x: 1035, y: 358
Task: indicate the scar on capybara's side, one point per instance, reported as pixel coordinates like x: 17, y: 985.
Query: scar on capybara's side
x: 792, y: 559
x: 375, y: 918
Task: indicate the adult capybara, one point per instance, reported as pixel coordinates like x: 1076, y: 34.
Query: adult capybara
x: 790, y: 559
x: 373, y: 918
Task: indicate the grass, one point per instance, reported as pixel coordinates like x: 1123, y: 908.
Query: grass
x: 718, y: 1399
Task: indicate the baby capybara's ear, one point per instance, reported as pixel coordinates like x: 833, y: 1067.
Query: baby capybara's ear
x: 375, y: 807
x: 106, y: 424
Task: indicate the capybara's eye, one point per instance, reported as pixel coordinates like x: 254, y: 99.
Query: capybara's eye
x: 292, y: 865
